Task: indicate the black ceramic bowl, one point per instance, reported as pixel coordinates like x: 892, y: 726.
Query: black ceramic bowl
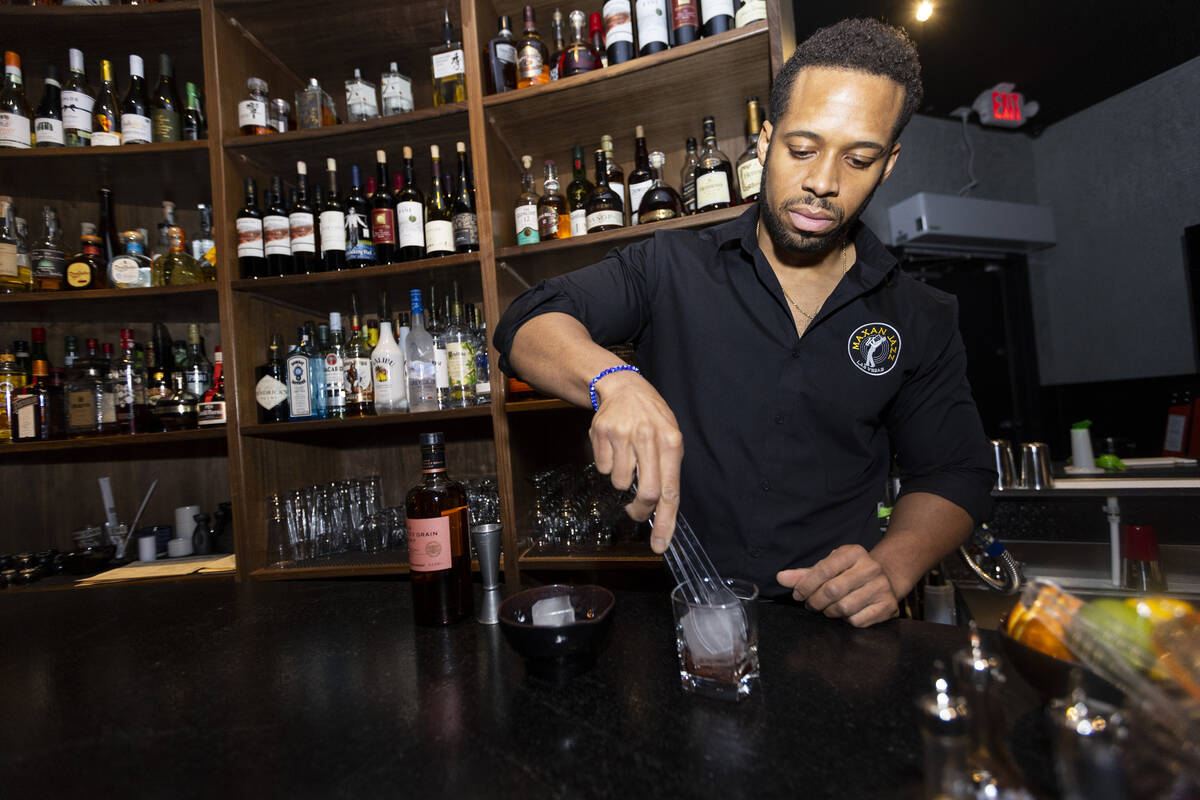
x: 593, y: 606
x: 88, y: 560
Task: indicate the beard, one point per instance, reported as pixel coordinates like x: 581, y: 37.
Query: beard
x: 788, y: 240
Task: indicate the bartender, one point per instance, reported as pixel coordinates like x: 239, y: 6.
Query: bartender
x: 784, y: 357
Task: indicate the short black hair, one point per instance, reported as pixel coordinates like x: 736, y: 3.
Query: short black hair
x: 859, y: 45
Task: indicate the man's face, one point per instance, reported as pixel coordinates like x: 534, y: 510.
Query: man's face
x: 826, y: 155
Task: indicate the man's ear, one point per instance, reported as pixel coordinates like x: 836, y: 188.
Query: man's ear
x: 891, y: 162
x: 764, y: 143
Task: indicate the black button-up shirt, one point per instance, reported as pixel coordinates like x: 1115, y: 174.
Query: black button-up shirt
x: 787, y: 440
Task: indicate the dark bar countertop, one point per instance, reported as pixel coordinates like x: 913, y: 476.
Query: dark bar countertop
x: 327, y: 689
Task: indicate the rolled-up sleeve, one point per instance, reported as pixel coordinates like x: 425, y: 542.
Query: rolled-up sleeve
x: 934, y: 425
x: 611, y: 298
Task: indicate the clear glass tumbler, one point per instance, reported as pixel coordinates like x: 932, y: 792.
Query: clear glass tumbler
x: 718, y: 643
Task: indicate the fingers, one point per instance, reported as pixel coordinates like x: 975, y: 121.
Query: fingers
x: 834, y: 564
x: 847, y: 584
x: 670, y: 458
x: 874, y: 614
x: 790, y: 577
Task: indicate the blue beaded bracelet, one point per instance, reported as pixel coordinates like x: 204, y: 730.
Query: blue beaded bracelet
x: 609, y: 371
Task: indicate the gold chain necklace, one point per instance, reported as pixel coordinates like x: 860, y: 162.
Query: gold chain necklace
x: 795, y: 305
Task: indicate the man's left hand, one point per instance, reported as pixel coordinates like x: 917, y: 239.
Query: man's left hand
x: 847, y: 584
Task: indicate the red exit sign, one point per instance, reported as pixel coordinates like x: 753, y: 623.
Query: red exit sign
x: 1006, y: 107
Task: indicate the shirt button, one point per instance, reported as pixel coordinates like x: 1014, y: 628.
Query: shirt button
x: 755, y: 552
x: 779, y: 419
x: 796, y: 353
x: 766, y: 486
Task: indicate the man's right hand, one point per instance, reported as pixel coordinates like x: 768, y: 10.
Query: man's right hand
x: 634, y: 430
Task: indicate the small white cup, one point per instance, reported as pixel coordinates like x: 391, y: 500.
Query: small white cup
x: 1081, y: 449
x: 147, y: 548
x: 185, y: 522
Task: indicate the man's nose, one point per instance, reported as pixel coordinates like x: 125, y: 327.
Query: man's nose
x: 821, y: 178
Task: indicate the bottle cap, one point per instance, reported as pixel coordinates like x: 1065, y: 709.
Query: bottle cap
x: 75, y: 58
x: 372, y: 186
x: 335, y: 321
x: 136, y: 68
x: 301, y: 168
x: 460, y: 147
x: 639, y: 132
x: 331, y: 165
x: 381, y: 156
x: 408, y: 152
x: 434, y: 152
x: 11, y: 59
x: 432, y: 439
x: 38, y: 335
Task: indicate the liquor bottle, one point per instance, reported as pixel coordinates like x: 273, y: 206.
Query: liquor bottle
x: 85, y: 270
x: 106, y: 111
x: 252, y: 112
x: 660, y: 201
x: 333, y: 223
x: 596, y: 36
x: 204, y: 246
x: 48, y: 260
x: 687, y: 178
x: 749, y: 169
x: 192, y: 125
x: 210, y: 410
x: 410, y: 214
x: 11, y: 279
x: 439, y: 227
x: 580, y: 56
x: 652, y: 28
x: 178, y: 265
x: 419, y: 360
x: 618, y: 31
x: 360, y: 250
x: 501, y: 59
x: 641, y: 178
x: 110, y: 243
x: 270, y: 387
x: 54, y: 414
x: 395, y: 91
x: 91, y: 401
x: 77, y: 102
x: 714, y: 174
x: 48, y: 124
x: 525, y: 210
x: 24, y: 359
x: 383, y: 213
x: 335, y: 369
x: 277, y: 235
x: 70, y: 351
x: 616, y: 175
x: 533, y: 59
x: 299, y: 378
x: 300, y: 220
x: 178, y: 411
x: 750, y: 11
x: 316, y: 370
x: 483, y: 383
x: 197, y: 373
x: 24, y: 270
x: 387, y: 366
x: 605, y: 210
x: 252, y: 261
x: 164, y: 241
x: 129, y: 382
x: 685, y: 21
x: 361, y: 101
x: 31, y: 408
x: 15, y: 118
x: 135, y: 108
x: 165, y: 119
x: 12, y: 381
x: 717, y: 16
x: 128, y: 270
x: 460, y: 358
x: 554, y: 215
x: 37, y: 351
x: 577, y: 193
x: 439, y: 550
x: 449, y: 68
x: 465, y: 220
x: 556, y: 54
x: 360, y: 388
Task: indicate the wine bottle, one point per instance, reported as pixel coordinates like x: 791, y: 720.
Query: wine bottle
x: 652, y: 29
x: 48, y: 124
x: 15, y: 118
x: 410, y: 214
x: 106, y: 111
x: 439, y: 550
x: 383, y: 214
x: 77, y: 103
x: 333, y: 223
x: 135, y: 108
x: 717, y: 16
x: 439, y: 229
x: 277, y: 232
x: 685, y: 21
x: 618, y: 31
x: 165, y: 117
x: 749, y: 169
x: 249, y: 224
x: 360, y: 249
x: 301, y: 223
x: 465, y: 219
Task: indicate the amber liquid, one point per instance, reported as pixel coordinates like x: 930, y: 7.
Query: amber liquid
x: 442, y: 597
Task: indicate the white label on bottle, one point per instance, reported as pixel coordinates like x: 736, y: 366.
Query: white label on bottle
x: 108, y: 408
x: 335, y: 381
x: 277, y: 232
x: 652, y: 22
x: 298, y: 387
x: 618, y: 24
x: 749, y: 177
x: 125, y: 271
x: 8, y: 260
x: 333, y: 231
x: 210, y: 413
x: 136, y: 129
x: 48, y: 130
x: 441, y: 369
x: 270, y: 392
x: 715, y: 8
x: 105, y: 139
x: 25, y: 412
x: 578, y: 222
x: 636, y: 192
x: 601, y: 219
x: 446, y: 65
x: 527, y: 221
x: 359, y: 386
x: 304, y: 238
x: 397, y: 94
x: 14, y: 130
x: 711, y: 188
x: 439, y: 236
x: 506, y: 53
x: 751, y: 11
x: 250, y: 237
x: 77, y: 111
x: 387, y: 379
x: 410, y: 218
x: 252, y: 112
x: 619, y: 189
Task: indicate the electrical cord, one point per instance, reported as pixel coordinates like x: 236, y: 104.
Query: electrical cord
x: 970, y: 157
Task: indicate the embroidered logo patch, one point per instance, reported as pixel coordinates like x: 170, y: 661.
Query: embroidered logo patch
x: 874, y: 348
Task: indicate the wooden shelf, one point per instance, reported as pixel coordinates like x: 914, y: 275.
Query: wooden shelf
x: 116, y: 442
x: 198, y: 303
x: 343, y: 566
x: 91, y: 13
x: 540, y: 404
x: 622, y: 555
x: 155, y: 149
x: 321, y: 426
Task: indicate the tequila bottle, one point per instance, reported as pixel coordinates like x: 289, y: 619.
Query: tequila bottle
x: 130, y: 269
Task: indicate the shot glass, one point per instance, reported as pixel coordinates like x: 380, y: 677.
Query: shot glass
x: 718, y: 643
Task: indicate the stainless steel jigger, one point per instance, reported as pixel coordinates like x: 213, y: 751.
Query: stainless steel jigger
x: 487, y: 547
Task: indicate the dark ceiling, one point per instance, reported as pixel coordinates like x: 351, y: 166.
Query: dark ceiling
x: 1065, y: 54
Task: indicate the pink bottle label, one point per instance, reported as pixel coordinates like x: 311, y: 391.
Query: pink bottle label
x: 429, y: 544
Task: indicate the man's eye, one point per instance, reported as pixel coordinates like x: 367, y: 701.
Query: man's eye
x: 859, y: 163
x: 801, y: 153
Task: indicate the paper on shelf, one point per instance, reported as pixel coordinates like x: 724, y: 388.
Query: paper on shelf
x: 162, y: 569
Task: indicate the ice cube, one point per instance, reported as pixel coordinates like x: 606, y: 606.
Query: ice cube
x: 553, y: 612
x: 714, y: 635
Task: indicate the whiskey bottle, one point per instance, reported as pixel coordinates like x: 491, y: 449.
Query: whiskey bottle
x: 178, y: 265
x: 15, y: 118
x: 419, y: 359
x: 383, y: 214
x: 12, y: 381
x: 270, y: 388
x: 533, y: 59
x: 300, y: 220
x: 48, y: 262
x: 652, y: 29
x: 618, y: 31
x: 360, y: 388
x: 460, y: 358
x: 77, y: 103
x: 277, y: 235
x: 252, y: 261
x: 577, y: 193
x: 178, y: 411
x: 333, y: 223
x: 165, y: 118
x: 410, y: 214
x: 605, y: 209
x: 299, y: 378
x: 580, y: 56
x: 556, y: 54
x: 197, y: 371
x: 106, y: 111
x: 335, y: 369
x: 717, y: 16
x: 129, y: 384
x: 660, y: 201
x: 84, y: 270
x: 501, y: 60
x: 387, y: 366
x: 439, y: 547
x: 554, y: 215
x: 252, y: 112
x: 749, y: 169
x: 210, y: 410
x: 48, y: 124
x: 465, y: 220
x: 130, y: 269
x: 714, y: 174
x: 449, y: 68
x: 192, y: 125
x: 641, y: 178
x: 525, y: 210
x: 135, y: 108
x: 687, y: 178
x: 685, y: 21
x: 616, y: 175
x: 439, y: 227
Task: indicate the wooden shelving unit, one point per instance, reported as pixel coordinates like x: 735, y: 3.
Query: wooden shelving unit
x: 221, y: 43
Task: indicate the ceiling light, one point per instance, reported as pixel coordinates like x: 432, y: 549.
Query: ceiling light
x: 924, y: 10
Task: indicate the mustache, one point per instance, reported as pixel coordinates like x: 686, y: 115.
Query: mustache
x: 813, y: 202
